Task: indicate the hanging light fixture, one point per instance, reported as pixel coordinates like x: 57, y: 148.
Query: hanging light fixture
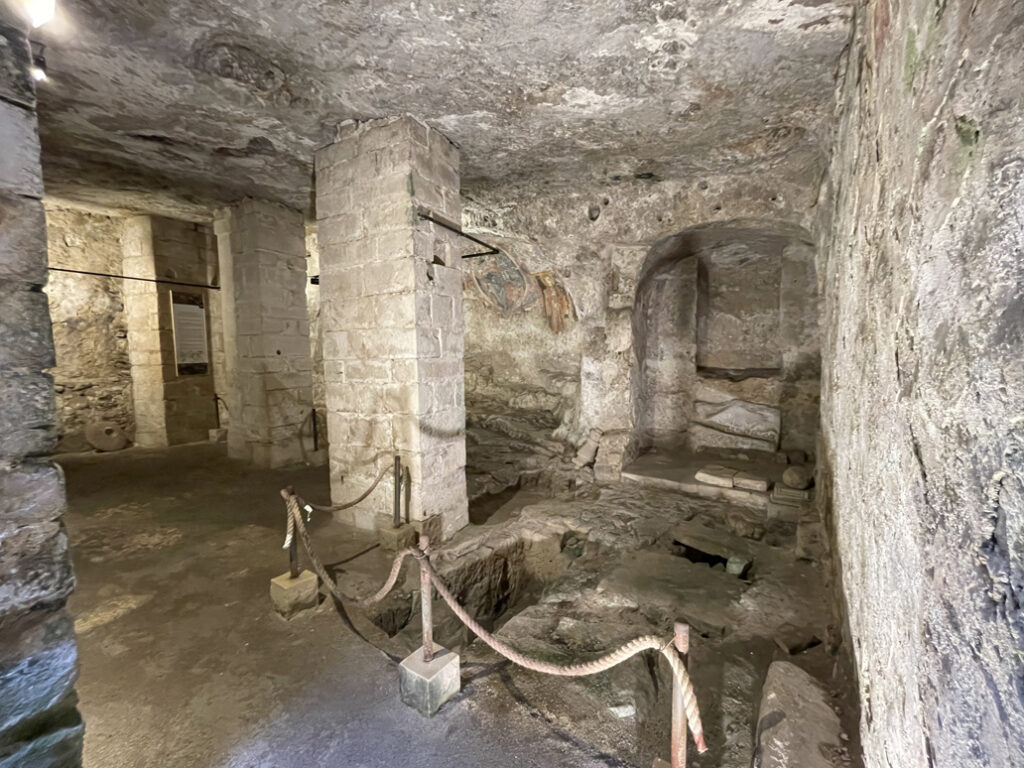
x: 40, y: 11
x: 38, y: 68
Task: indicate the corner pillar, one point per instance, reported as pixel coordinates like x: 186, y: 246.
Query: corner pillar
x: 391, y: 309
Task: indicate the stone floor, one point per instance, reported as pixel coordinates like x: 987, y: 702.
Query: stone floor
x: 183, y: 663
x: 676, y: 470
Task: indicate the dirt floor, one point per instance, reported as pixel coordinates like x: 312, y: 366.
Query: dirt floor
x: 183, y: 662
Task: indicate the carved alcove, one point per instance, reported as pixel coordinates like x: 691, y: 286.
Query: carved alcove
x: 725, y: 340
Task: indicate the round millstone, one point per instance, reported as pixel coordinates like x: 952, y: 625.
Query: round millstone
x: 106, y: 436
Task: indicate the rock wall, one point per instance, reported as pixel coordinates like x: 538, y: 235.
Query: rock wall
x: 923, y: 387
x: 567, y: 361
x: 92, y: 376
x: 39, y: 723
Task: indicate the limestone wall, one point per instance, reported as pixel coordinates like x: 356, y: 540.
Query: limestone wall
x: 92, y: 376
x: 39, y: 723
x: 923, y: 386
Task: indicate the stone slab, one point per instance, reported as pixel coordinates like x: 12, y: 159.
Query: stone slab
x: 783, y: 495
x: 741, y: 418
x: 751, y: 482
x: 716, y: 474
x: 796, y: 724
x: 427, y: 685
x: 292, y: 596
x: 702, y: 437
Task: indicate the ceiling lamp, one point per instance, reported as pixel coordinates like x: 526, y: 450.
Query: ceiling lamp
x: 40, y: 11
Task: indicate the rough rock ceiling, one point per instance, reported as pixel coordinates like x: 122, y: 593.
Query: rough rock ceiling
x: 206, y: 100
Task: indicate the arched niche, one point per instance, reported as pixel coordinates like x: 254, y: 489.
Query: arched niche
x: 725, y: 341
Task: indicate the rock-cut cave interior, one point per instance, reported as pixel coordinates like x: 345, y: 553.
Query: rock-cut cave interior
x: 508, y: 383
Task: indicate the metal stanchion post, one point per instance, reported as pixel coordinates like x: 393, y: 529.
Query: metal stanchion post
x: 682, y: 644
x: 398, y: 491
x: 426, y: 604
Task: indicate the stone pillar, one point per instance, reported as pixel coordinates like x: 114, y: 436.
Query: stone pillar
x: 262, y: 254
x: 172, y: 405
x: 39, y: 724
x: 391, y: 308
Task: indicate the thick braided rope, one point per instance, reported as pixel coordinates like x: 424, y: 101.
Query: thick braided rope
x: 339, y: 507
x: 601, y: 664
x: 392, y: 578
x: 290, y: 530
x: 295, y: 522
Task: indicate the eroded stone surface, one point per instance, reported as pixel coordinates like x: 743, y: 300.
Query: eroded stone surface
x: 746, y: 88
x: 90, y: 334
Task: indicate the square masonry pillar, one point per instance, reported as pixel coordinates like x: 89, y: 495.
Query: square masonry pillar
x: 391, y: 312
x: 267, y: 361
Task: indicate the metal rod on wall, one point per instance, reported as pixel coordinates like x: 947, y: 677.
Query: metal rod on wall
x: 453, y: 227
x: 129, y: 277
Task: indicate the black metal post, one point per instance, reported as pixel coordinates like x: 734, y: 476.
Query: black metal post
x: 216, y: 409
x: 398, y: 491
x: 293, y: 557
x: 316, y: 435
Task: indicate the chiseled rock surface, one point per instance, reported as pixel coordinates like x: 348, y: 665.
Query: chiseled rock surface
x: 227, y: 107
x: 923, y: 390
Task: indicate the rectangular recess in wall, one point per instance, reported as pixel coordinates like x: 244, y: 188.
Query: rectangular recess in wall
x: 189, y: 321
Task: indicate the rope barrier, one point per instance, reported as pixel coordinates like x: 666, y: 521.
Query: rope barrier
x: 601, y: 664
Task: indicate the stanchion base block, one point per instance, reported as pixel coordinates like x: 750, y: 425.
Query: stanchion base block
x: 427, y: 685
x: 292, y: 596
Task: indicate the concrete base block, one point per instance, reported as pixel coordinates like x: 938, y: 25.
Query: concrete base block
x: 426, y: 686
x: 219, y: 435
x: 291, y: 596
x: 395, y: 539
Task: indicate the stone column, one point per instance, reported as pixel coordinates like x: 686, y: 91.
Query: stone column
x: 391, y: 308
x: 39, y: 724
x: 262, y: 254
x: 172, y: 406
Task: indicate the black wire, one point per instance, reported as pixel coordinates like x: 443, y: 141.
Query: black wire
x: 129, y: 277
